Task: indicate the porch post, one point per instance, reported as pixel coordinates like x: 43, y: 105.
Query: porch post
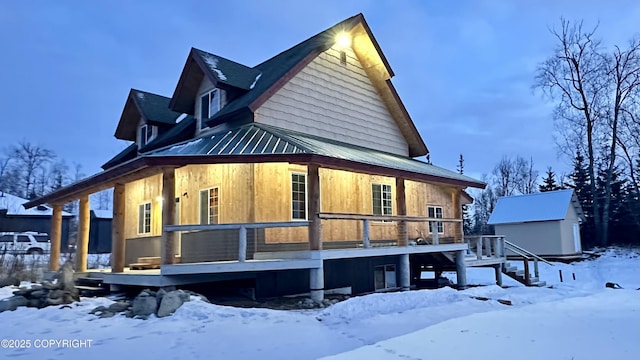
x: 461, y: 269
x: 457, y: 214
x: 498, y: 271
x: 313, y: 207
x: 168, y: 215
x: 316, y: 275
x: 117, y: 229
x: 401, y: 203
x: 405, y: 273
x: 56, y: 235
x: 82, y: 244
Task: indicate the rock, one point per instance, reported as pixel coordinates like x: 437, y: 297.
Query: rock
x: 106, y: 314
x: 159, y: 295
x: 148, y: 292
x: 21, y: 292
x: 51, y: 286
x: 119, y: 306
x: 9, y: 281
x: 38, y: 294
x: 144, y: 305
x: 193, y: 293
x: 58, y: 301
x: 613, y: 285
x: 13, y: 303
x: 68, y: 298
x: 56, y: 294
x: 129, y: 314
x: 171, y: 302
x: 99, y: 309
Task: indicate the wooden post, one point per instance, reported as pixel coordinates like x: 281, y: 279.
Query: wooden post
x: 242, y: 244
x: 401, y: 203
x: 117, y: 229
x: 498, y: 271
x: 82, y: 244
x: 457, y: 214
x: 168, y: 252
x: 527, y: 275
x: 56, y: 235
x: 479, y: 247
x: 365, y: 234
x: 313, y: 207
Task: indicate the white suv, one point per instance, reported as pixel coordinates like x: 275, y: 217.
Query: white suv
x: 30, y: 242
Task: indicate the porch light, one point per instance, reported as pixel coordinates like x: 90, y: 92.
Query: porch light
x: 343, y: 40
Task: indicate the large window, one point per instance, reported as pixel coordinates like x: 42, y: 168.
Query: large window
x: 210, y: 206
x: 144, y: 218
x: 209, y: 104
x: 381, y: 196
x: 298, y: 196
x: 436, y: 213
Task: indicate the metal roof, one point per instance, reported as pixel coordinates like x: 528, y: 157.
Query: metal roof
x: 256, y: 139
x: 544, y: 206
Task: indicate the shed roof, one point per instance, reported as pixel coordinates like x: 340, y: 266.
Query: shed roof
x: 102, y: 214
x: 13, y: 205
x: 544, y: 206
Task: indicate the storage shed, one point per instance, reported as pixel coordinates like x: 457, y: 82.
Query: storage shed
x: 100, y: 231
x: 546, y: 223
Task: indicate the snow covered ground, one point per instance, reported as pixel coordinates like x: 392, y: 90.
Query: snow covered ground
x: 578, y: 319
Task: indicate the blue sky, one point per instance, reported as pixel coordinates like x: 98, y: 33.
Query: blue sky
x: 463, y: 69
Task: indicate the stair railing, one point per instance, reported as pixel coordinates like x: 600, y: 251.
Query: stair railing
x: 490, y: 246
x: 526, y: 257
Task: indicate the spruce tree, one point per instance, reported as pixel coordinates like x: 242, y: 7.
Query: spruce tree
x: 582, y: 188
x: 549, y: 182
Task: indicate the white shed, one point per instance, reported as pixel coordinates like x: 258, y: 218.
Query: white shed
x: 546, y: 223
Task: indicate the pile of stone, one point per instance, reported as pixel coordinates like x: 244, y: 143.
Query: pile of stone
x: 161, y: 303
x: 61, y: 292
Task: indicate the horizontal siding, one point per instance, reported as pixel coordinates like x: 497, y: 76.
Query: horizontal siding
x: 334, y: 101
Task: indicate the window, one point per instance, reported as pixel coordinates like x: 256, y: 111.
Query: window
x: 6, y: 238
x: 209, y: 206
x: 23, y: 239
x: 144, y: 218
x: 209, y: 105
x: 298, y: 196
x: 381, y: 196
x: 41, y: 238
x: 435, y: 212
x: 385, y: 277
x: 147, y: 133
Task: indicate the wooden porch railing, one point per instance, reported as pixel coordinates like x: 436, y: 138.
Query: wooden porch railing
x: 486, y: 246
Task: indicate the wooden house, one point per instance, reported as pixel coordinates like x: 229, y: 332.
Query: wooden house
x: 300, y: 173
x: 546, y: 223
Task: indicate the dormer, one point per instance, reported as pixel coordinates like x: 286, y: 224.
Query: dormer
x: 208, y: 83
x: 145, y: 116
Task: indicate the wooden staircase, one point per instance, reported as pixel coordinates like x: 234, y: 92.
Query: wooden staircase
x: 91, y: 284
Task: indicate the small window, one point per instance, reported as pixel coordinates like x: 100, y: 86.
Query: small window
x: 381, y: 198
x: 343, y: 58
x: 385, y: 277
x: 23, y: 239
x: 147, y: 133
x: 435, y: 212
x: 144, y: 218
x: 41, y: 238
x: 298, y: 196
x: 6, y: 238
x: 209, y: 206
x: 209, y: 105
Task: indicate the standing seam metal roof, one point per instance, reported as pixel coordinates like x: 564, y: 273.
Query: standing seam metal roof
x: 255, y: 139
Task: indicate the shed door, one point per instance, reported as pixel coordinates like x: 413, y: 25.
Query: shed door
x: 576, y: 238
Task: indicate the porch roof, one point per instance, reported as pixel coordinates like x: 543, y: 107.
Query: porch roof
x: 259, y: 143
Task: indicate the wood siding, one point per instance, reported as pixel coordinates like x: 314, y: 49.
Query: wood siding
x: 335, y: 101
x: 262, y: 193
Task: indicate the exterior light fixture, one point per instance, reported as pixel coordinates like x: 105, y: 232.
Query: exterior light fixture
x: 343, y: 40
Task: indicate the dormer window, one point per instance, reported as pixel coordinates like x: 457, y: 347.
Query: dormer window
x: 146, y: 134
x: 209, y: 104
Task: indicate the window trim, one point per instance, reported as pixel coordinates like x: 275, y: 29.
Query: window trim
x: 218, y: 213
x: 142, y: 212
x: 149, y: 129
x: 439, y: 224
x: 382, y: 207
x: 386, y: 269
x: 208, y: 93
x: 306, y: 195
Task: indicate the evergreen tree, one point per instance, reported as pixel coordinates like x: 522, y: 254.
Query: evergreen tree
x: 467, y: 225
x: 549, y: 182
x: 582, y: 188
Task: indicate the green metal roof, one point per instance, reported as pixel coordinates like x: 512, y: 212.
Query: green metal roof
x: 257, y: 139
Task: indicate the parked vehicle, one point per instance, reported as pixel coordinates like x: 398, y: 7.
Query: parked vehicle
x: 30, y: 242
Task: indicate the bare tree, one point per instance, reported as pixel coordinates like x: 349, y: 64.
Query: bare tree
x: 6, y: 157
x: 30, y: 158
x: 593, y: 90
